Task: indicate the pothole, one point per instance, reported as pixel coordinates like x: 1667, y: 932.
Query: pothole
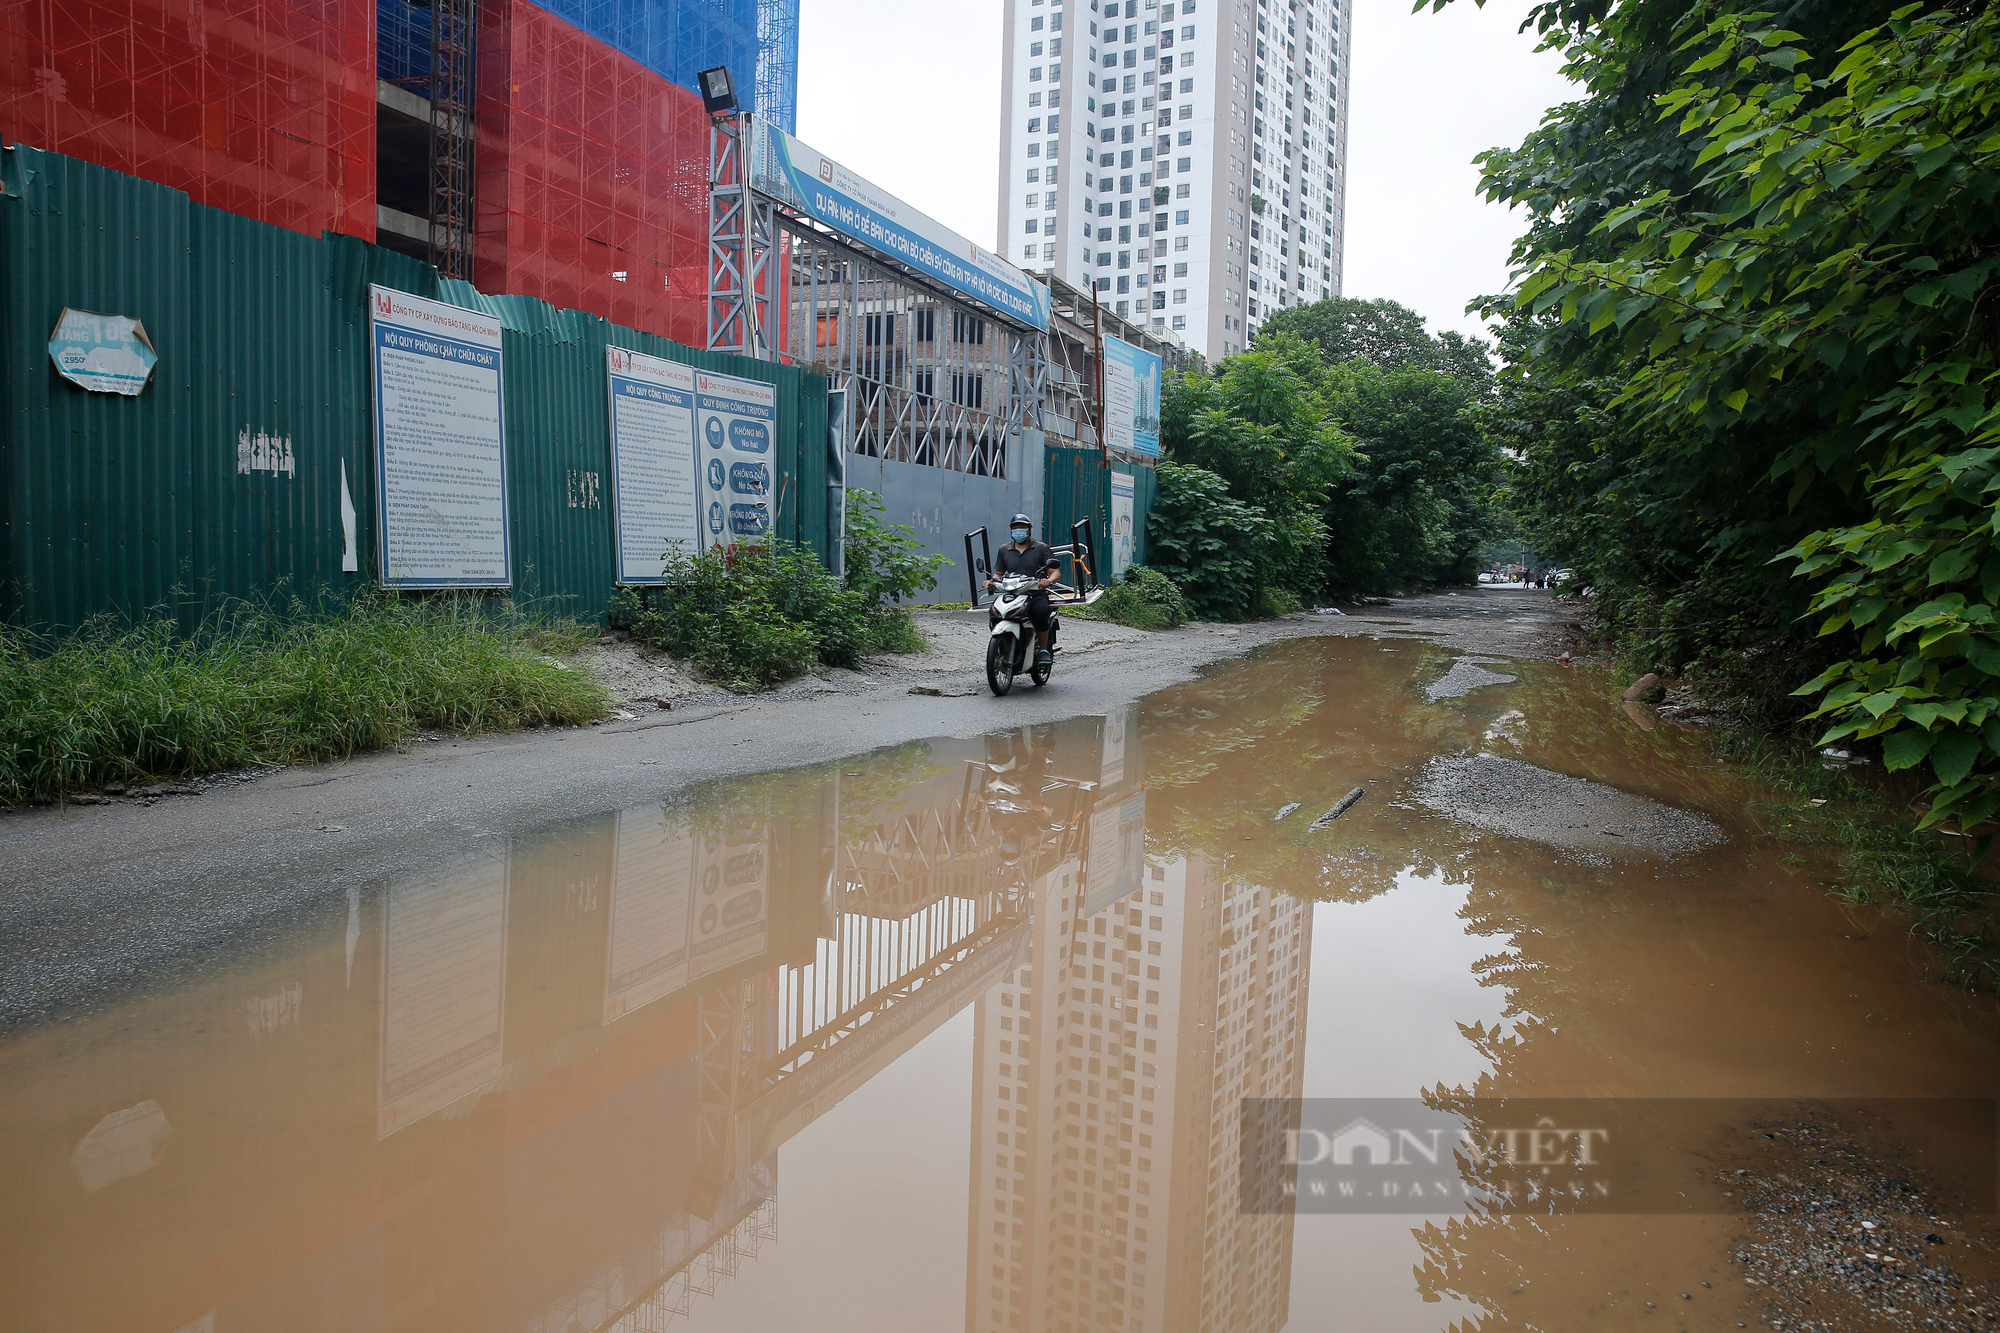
x: 1576, y: 814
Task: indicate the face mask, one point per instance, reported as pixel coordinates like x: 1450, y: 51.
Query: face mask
x: 1020, y: 534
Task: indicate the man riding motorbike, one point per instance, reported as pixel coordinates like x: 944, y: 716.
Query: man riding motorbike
x: 1024, y: 555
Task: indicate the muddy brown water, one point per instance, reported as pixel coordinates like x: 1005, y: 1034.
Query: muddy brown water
x: 955, y: 1035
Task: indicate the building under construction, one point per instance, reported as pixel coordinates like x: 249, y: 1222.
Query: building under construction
x: 554, y: 152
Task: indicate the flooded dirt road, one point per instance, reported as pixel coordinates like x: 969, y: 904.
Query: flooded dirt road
x: 961, y: 1034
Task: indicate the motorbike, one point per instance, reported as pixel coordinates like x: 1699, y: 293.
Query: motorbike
x: 1010, y: 644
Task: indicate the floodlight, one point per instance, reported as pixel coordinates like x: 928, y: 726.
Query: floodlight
x: 718, y: 90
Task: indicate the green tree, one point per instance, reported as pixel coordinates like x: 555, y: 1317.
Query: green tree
x: 1259, y: 426
x: 1371, y: 479
x: 1392, y: 336
x: 1217, y: 549
x: 1421, y: 507
x: 1776, y: 234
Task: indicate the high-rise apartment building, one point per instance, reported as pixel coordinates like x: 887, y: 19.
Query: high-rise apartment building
x: 1187, y: 158
x: 1104, y: 1189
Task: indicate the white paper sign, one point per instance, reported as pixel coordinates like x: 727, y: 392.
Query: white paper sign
x: 654, y: 496
x: 102, y: 353
x: 439, y: 444
x: 736, y: 425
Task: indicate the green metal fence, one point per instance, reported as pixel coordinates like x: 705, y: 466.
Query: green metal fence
x: 120, y: 505
x: 1076, y: 484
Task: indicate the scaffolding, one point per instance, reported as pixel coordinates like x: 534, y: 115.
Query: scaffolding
x: 778, y: 63
x: 932, y: 377
x: 453, y: 23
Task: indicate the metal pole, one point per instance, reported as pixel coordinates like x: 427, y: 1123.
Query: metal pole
x: 1097, y: 332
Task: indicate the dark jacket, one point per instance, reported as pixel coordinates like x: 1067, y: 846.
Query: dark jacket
x: 1037, y: 560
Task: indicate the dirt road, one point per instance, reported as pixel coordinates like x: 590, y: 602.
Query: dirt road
x: 95, y: 898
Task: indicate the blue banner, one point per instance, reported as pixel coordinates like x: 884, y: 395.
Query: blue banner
x: 817, y: 185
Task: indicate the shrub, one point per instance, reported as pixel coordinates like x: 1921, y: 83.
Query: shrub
x: 118, y: 701
x: 1212, y: 546
x: 883, y: 561
x: 886, y: 566
x: 748, y: 616
x: 753, y: 616
x: 1278, y: 602
x: 1144, y: 599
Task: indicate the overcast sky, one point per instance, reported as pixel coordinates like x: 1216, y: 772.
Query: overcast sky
x: 908, y: 94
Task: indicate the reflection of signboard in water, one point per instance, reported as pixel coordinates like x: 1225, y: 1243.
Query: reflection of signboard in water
x: 647, y: 956
x: 1117, y: 852
x: 444, y: 974
x: 738, y: 422
x: 1111, y: 766
x: 732, y: 895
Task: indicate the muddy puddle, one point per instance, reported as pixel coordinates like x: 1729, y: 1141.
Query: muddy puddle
x: 972, y: 1034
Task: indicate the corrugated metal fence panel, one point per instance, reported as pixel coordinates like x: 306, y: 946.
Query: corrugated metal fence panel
x: 121, y: 504
x: 558, y: 461
x: 270, y: 422
x: 1076, y: 484
x: 94, y: 496
x: 1145, y: 485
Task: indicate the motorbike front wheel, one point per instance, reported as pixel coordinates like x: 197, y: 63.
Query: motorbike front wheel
x: 1000, y: 664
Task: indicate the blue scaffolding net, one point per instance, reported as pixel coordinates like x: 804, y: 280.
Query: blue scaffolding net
x: 757, y: 39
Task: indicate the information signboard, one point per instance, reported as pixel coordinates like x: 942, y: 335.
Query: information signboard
x: 1132, y: 398
x: 440, y: 448
x: 654, y: 469
x: 103, y: 353
x: 736, y: 421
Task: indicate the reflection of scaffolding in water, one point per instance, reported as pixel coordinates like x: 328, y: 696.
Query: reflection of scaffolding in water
x: 674, y: 1299
x: 871, y: 967
x: 915, y: 896
x: 902, y: 865
x: 631, y: 1295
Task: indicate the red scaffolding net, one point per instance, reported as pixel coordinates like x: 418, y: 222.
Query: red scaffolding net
x: 262, y: 107
x: 592, y: 176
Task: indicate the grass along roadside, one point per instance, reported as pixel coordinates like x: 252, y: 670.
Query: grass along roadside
x: 1865, y: 818
x: 121, y: 702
